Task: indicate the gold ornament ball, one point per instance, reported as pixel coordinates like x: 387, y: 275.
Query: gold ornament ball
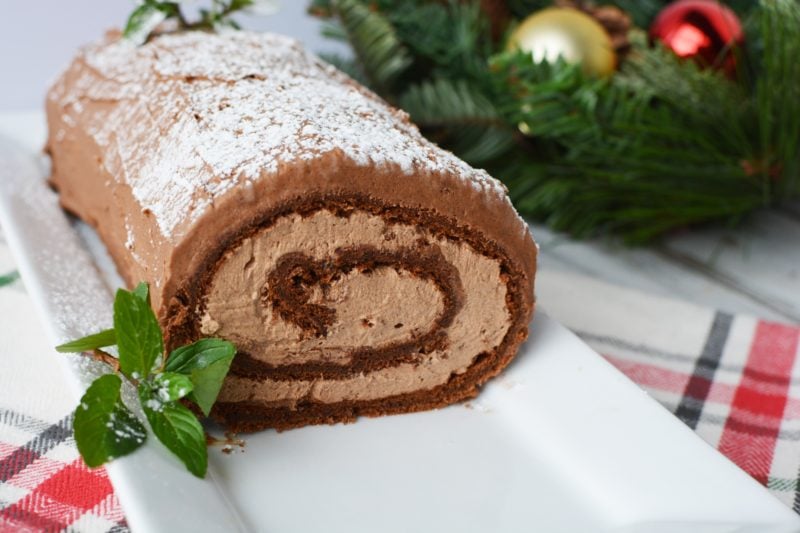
x: 568, y: 33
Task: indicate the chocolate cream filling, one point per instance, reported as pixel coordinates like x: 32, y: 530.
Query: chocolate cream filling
x: 327, y: 308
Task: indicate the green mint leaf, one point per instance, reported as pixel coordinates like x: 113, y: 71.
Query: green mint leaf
x: 178, y: 429
x: 199, y: 354
x: 206, y: 362
x: 237, y: 5
x: 11, y: 277
x: 90, y: 342
x: 142, y: 291
x: 138, y: 335
x: 104, y: 427
x: 143, y: 21
x: 170, y: 386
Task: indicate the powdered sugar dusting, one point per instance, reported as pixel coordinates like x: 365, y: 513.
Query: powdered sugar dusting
x: 228, y: 109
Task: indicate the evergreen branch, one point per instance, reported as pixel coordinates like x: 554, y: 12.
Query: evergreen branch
x: 383, y: 57
x: 347, y: 65
x: 442, y: 102
x: 703, y: 97
x: 642, y: 12
x: 625, y: 156
x: 461, y: 118
x: 333, y: 30
x: 660, y: 145
x: 523, y: 8
x: 777, y: 94
x: 449, y: 38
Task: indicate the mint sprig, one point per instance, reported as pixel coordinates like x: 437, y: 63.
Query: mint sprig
x: 105, y: 428
x: 150, y: 13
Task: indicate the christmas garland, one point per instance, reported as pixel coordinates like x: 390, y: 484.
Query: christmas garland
x: 599, y: 126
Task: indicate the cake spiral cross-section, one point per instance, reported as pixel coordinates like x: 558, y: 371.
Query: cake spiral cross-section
x: 270, y: 200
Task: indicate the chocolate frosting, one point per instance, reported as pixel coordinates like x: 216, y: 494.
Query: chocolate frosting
x: 180, y: 150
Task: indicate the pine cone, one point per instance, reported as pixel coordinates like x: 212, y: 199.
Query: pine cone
x: 615, y: 21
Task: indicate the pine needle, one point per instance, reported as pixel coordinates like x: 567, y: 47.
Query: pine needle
x: 465, y: 119
x: 382, y: 55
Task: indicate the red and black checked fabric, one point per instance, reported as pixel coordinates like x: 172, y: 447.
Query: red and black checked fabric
x: 45, y: 486
x: 735, y: 380
x: 748, y: 410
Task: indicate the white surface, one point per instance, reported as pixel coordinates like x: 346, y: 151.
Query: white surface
x: 560, y: 442
x: 760, y: 260
x: 753, y: 269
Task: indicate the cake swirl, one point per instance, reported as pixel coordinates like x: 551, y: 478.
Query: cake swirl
x: 272, y: 201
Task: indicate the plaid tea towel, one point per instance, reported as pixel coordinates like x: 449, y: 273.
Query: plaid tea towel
x: 44, y: 485
x: 734, y: 379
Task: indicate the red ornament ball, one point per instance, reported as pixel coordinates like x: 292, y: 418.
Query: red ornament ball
x: 703, y: 30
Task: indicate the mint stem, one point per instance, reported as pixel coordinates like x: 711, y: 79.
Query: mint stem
x: 105, y: 357
x: 182, y: 21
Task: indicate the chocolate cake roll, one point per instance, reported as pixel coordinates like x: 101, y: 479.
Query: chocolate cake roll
x: 270, y: 200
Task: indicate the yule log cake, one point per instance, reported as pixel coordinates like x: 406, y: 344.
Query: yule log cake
x: 270, y: 200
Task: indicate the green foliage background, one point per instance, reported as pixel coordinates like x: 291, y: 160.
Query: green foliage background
x: 660, y: 145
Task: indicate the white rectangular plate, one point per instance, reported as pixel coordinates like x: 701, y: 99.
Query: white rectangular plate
x: 560, y: 442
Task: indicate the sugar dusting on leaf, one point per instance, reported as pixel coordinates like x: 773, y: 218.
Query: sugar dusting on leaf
x: 104, y: 427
